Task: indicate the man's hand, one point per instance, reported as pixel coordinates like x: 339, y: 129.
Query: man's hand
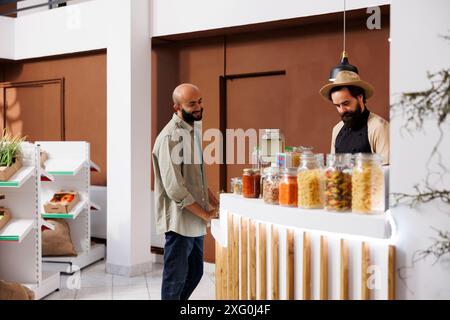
x: 212, y: 199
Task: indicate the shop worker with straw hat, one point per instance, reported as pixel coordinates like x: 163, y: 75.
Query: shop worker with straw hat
x: 360, y: 130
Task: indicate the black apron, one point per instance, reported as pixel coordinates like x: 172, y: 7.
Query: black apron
x: 354, y: 140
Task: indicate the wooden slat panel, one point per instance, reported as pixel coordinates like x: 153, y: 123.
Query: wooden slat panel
x: 244, y: 259
x: 290, y: 279
x: 224, y: 262
x: 344, y: 270
x: 252, y: 260
x: 391, y: 273
x: 365, y: 262
x: 218, y: 275
x: 275, y: 263
x: 306, y: 267
x: 230, y: 256
x: 235, y: 252
x: 262, y: 262
x: 323, y: 268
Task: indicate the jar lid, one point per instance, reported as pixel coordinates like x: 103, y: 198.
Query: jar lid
x: 367, y: 156
x: 236, y: 179
x: 256, y: 171
x: 248, y: 170
x: 289, y: 171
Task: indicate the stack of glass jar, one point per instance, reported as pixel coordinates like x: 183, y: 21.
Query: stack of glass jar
x: 341, y: 186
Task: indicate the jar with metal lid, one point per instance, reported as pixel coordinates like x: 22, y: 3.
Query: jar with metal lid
x: 368, y: 184
x: 338, y: 182
x: 288, y: 190
x: 271, y: 187
x: 236, y: 185
x: 310, y: 183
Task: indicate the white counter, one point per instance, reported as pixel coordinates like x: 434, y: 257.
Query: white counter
x: 371, y: 225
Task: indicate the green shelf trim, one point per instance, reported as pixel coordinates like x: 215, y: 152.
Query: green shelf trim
x: 57, y: 216
x: 9, y: 238
x: 9, y: 184
x: 61, y: 173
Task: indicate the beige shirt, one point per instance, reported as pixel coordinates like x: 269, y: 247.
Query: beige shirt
x: 178, y: 183
x: 378, y: 133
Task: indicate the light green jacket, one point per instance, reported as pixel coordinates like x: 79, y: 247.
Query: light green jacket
x: 178, y: 183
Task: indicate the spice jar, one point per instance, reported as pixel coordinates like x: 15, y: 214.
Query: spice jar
x: 236, y: 185
x: 310, y: 188
x: 338, y: 182
x: 248, y: 184
x: 295, y: 156
x: 288, y: 188
x: 367, y: 184
x: 270, y: 182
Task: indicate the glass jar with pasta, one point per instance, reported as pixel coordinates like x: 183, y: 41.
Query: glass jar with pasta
x: 367, y: 184
x: 338, y: 182
x: 288, y: 190
x: 310, y: 183
x: 271, y: 187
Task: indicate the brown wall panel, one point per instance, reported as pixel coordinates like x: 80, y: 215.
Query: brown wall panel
x: 307, y: 53
x: 85, y: 100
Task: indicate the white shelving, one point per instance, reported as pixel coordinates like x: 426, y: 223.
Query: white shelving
x: 16, y: 230
x: 19, y: 178
x: 64, y: 166
x: 20, y: 245
x: 70, y: 165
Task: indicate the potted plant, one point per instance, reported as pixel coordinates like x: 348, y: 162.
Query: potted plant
x: 10, y: 156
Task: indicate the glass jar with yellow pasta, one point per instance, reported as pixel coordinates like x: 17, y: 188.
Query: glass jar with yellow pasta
x: 338, y: 182
x: 367, y: 184
x: 310, y: 183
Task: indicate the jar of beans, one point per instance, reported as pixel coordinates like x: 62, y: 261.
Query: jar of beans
x: 271, y: 188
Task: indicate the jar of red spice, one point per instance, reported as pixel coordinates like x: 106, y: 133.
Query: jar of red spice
x: 251, y: 180
x: 288, y: 193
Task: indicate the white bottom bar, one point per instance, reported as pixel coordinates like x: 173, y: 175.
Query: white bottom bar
x: 73, y: 264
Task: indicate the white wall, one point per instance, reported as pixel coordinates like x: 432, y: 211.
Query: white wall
x: 74, y: 28
x: 178, y: 16
x: 415, y: 50
x: 7, y: 37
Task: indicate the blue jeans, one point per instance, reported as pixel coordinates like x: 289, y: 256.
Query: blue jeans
x: 183, y: 266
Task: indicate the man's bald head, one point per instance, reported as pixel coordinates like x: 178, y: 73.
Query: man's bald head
x: 187, y: 100
x: 183, y: 92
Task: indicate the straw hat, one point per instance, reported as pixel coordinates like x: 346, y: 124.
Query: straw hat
x: 347, y: 78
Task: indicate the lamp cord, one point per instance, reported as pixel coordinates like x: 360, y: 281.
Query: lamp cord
x: 344, y: 22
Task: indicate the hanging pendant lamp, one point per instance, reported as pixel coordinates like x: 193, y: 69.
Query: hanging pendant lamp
x: 344, y: 64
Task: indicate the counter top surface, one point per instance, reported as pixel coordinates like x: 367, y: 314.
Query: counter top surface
x: 366, y: 225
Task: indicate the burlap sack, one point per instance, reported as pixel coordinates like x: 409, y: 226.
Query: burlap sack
x: 57, y: 243
x: 14, y: 291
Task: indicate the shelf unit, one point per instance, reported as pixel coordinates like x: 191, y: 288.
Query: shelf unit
x: 20, y: 239
x: 70, y: 166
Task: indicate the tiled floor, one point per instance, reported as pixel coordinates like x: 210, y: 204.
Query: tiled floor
x: 95, y: 284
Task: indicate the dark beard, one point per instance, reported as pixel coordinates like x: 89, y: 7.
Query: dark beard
x: 353, y: 119
x: 189, y: 117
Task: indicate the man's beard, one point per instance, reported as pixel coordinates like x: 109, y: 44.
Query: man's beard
x: 353, y: 119
x: 190, y: 117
